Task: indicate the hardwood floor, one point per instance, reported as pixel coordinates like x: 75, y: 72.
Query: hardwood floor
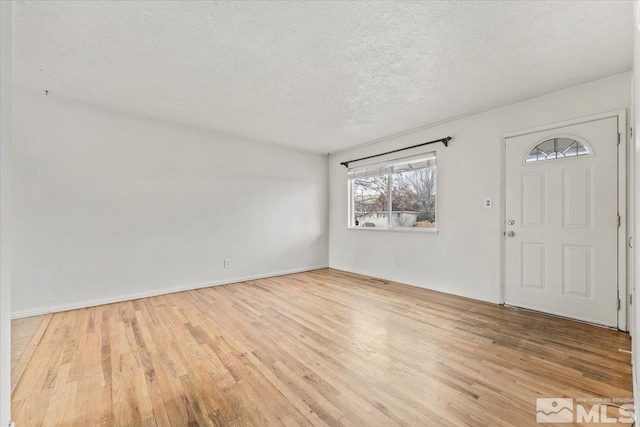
x: 318, y: 348
x: 22, y: 330
x: 25, y: 337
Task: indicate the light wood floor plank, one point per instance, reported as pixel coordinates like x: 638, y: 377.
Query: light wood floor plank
x: 25, y: 337
x: 322, y: 348
x: 22, y: 331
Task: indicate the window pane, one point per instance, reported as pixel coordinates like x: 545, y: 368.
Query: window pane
x: 370, y: 202
x: 413, y: 198
x: 557, y: 148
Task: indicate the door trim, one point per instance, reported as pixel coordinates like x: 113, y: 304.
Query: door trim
x: 621, y: 115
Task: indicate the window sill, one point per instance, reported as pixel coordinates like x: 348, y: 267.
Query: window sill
x: 417, y: 230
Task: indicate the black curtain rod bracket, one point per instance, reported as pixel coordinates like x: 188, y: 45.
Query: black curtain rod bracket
x: 445, y: 141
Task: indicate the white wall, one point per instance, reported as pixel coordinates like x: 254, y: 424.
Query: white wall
x: 464, y: 257
x: 5, y: 276
x: 109, y: 206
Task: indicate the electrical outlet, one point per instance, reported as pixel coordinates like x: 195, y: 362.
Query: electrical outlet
x: 394, y: 261
x: 227, y: 263
x: 488, y: 203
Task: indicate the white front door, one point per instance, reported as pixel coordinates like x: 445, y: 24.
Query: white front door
x: 562, y: 221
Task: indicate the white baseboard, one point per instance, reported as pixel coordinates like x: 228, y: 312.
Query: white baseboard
x: 130, y: 297
x: 444, y: 290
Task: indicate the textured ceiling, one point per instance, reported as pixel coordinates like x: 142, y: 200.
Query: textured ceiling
x: 320, y: 76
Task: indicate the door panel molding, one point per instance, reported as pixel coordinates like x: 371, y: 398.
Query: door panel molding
x: 577, y: 191
x: 577, y: 270
x: 534, y: 211
x: 533, y: 253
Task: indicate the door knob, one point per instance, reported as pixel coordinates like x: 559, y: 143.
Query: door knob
x: 511, y: 234
x: 511, y: 222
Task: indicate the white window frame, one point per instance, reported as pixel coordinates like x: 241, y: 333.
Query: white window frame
x: 350, y: 219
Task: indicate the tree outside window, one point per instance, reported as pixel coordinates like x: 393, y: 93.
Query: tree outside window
x: 394, y: 195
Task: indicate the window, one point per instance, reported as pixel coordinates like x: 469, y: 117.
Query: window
x: 394, y: 195
x: 557, y: 148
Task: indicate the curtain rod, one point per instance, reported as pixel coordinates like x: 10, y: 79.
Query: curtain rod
x: 445, y: 141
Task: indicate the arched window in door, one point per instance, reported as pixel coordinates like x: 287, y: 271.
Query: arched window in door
x: 557, y: 148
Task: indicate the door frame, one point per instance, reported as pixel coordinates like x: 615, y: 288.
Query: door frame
x: 623, y: 289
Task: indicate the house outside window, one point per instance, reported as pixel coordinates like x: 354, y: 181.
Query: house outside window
x: 394, y: 195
